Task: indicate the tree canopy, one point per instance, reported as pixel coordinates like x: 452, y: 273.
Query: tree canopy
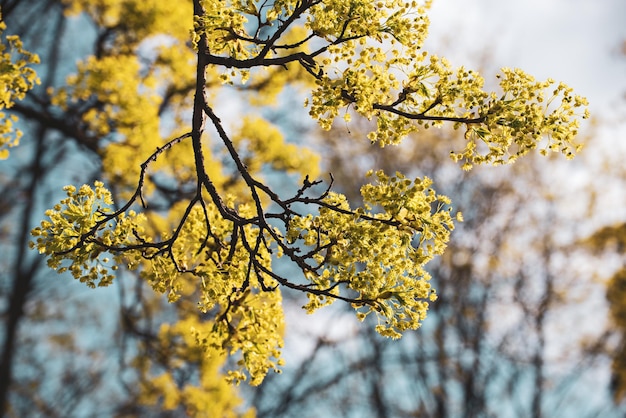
x: 219, y: 241
x: 187, y: 196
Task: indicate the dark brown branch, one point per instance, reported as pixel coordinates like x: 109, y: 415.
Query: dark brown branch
x: 65, y: 125
x: 88, y: 236
x: 298, y: 11
x: 257, y: 41
x: 422, y: 116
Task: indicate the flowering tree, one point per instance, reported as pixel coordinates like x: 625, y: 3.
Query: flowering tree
x: 186, y: 196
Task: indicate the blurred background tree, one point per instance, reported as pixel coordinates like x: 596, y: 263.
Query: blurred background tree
x: 609, y: 240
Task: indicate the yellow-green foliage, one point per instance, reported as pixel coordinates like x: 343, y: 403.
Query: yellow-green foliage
x: 379, y: 261
x: 16, y: 78
x: 211, y: 397
x: 264, y: 144
x: 73, y: 226
x: 217, y: 242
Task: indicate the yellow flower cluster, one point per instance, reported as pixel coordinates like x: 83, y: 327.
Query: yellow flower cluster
x: 212, y: 396
x: 500, y: 127
x: 122, y: 92
x: 517, y: 121
x: 379, y: 255
x: 129, y: 108
x: 136, y: 20
x: 80, y: 230
x: 16, y: 78
x: 250, y: 320
x: 223, y: 25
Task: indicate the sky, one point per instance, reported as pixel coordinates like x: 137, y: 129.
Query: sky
x: 575, y: 41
